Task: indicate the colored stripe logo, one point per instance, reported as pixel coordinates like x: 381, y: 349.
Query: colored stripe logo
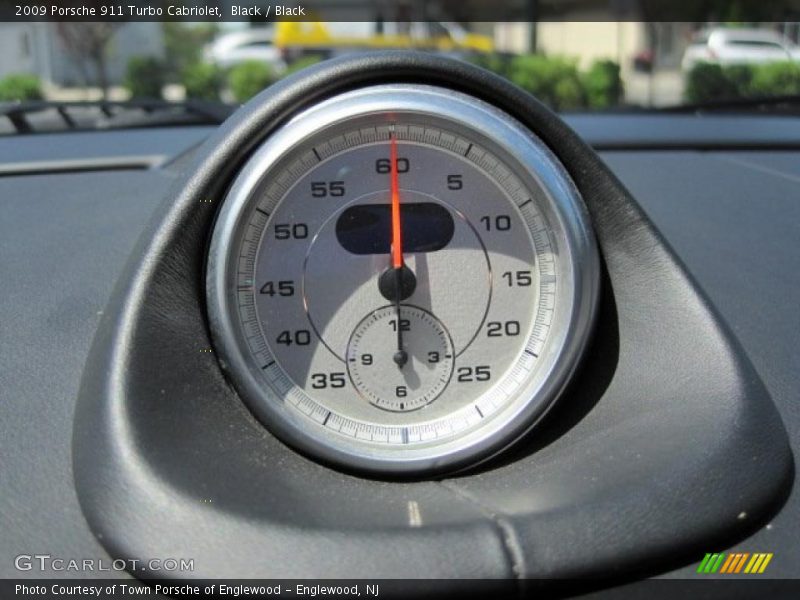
x: 735, y: 562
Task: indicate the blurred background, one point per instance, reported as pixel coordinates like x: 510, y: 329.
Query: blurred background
x: 583, y: 61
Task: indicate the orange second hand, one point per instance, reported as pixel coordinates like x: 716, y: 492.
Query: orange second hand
x: 397, y: 241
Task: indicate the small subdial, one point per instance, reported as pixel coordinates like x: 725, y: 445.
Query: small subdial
x: 372, y: 365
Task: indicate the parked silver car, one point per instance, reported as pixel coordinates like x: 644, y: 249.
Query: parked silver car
x: 233, y: 48
x: 738, y: 46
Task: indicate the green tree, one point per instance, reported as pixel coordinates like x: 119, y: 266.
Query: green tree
x: 89, y: 42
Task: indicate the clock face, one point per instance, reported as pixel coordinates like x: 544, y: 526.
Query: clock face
x: 401, y: 279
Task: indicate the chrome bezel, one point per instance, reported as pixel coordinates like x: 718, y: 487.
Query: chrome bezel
x: 578, y: 279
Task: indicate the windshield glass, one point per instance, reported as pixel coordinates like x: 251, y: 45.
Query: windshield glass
x: 571, y: 65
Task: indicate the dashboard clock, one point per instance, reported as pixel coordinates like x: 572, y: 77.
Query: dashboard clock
x: 401, y: 279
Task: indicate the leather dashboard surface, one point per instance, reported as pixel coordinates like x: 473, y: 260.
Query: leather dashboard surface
x: 732, y: 216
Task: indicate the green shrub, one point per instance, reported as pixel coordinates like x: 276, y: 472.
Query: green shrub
x: 741, y: 77
x: 554, y: 80
x: 496, y: 63
x: 144, y: 77
x: 602, y: 84
x: 203, y: 81
x: 707, y: 82
x: 302, y: 63
x: 776, y: 79
x: 710, y: 82
x: 183, y: 46
x: 248, y: 78
x: 20, y: 87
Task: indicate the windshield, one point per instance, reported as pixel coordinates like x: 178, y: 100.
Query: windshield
x: 569, y: 65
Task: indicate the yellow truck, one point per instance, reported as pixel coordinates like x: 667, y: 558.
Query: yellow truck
x: 296, y: 38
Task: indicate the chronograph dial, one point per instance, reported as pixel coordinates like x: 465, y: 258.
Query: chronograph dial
x: 401, y: 279
x: 425, y: 370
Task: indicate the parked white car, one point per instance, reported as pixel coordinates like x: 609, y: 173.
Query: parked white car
x: 727, y: 46
x: 233, y: 48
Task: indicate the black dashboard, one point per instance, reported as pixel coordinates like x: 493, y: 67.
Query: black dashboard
x: 720, y: 189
